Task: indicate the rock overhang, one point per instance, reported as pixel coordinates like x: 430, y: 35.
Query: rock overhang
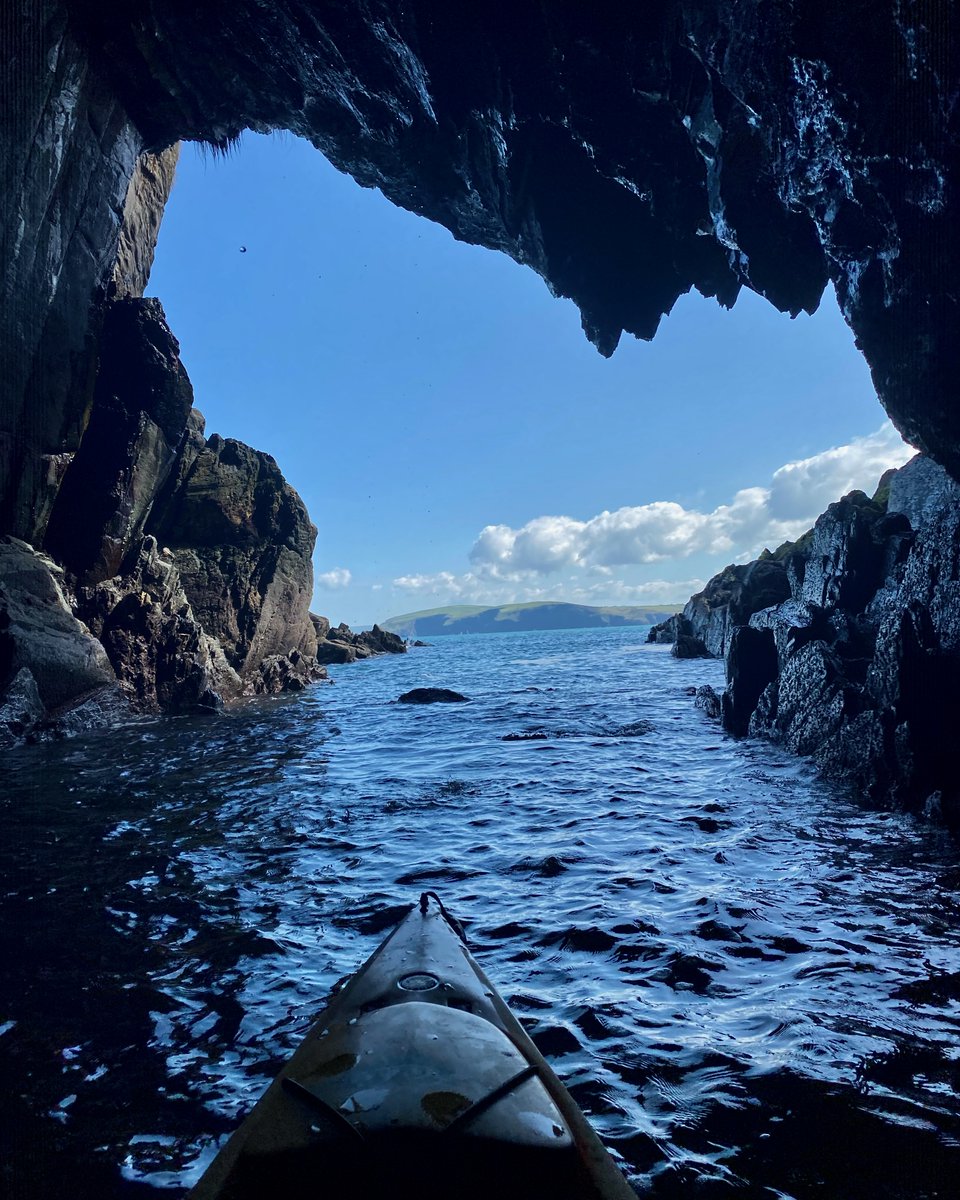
x: 625, y: 158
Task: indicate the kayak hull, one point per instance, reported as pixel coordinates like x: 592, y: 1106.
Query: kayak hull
x: 417, y: 1078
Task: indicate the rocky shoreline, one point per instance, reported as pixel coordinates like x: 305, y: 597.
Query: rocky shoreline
x: 845, y: 645
x: 626, y: 161
x: 174, y: 570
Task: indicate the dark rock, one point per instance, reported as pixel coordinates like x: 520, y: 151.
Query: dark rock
x: 857, y: 669
x: 342, y: 645
x: 21, y: 709
x: 730, y: 599
x: 39, y: 632
x: 285, y: 673
x: 164, y: 659
x: 381, y: 641
x: 532, y: 735
x: 242, y: 542
x: 811, y: 698
x: 845, y: 559
x: 624, y: 159
x: 709, y: 701
x: 335, y: 651
x: 106, y: 706
x: 751, y: 666
x: 138, y: 421
x: 631, y: 729
x: 432, y: 695
x: 666, y: 633
x: 554, y: 1041
x: 421, y: 645
x: 687, y: 646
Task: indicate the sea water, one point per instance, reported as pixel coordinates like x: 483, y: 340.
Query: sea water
x: 748, y: 981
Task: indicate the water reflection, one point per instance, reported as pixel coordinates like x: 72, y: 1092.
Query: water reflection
x: 748, y: 982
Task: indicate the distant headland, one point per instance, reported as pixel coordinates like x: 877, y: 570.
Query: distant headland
x: 514, y: 618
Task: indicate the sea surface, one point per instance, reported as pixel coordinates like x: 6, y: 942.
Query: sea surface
x: 748, y: 981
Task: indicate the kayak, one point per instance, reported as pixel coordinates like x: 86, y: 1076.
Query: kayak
x: 416, y: 1080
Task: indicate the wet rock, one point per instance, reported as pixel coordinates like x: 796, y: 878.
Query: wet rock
x: 731, y: 598
x: 291, y: 672
x: 551, y: 867
x: 687, y: 646
x: 845, y: 558
x: 432, y: 695
x: 164, y: 659
x: 39, y: 632
x: 21, y: 708
x: 555, y: 1041
x: 342, y: 645
x: 106, y: 706
x: 709, y: 701
x: 532, y: 735
x: 666, y: 632
x: 751, y: 666
x: 142, y: 401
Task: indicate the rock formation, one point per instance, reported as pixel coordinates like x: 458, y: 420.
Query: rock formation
x: 857, y: 668
x: 342, y: 645
x: 50, y: 661
x: 432, y: 695
x: 625, y: 158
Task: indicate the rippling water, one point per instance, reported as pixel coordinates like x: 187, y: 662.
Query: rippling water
x: 749, y: 983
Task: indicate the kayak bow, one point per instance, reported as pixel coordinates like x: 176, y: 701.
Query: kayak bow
x: 417, y: 1079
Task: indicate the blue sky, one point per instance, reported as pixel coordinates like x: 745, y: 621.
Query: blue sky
x: 455, y: 437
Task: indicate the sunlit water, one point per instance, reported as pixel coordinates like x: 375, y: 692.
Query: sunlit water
x: 749, y: 983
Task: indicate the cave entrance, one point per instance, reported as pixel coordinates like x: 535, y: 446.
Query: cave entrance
x: 451, y: 431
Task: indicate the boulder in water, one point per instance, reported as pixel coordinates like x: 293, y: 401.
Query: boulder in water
x: 432, y: 695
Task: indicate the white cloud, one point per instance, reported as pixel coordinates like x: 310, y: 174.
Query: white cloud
x: 335, y: 580
x: 664, y: 530
x: 809, y: 485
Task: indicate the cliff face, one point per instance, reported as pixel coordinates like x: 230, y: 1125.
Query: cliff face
x: 626, y: 159
x: 857, y: 668
x: 624, y: 156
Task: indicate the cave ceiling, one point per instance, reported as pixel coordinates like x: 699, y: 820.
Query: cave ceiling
x: 625, y: 152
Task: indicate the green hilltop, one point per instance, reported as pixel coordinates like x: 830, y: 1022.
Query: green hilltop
x: 507, y: 618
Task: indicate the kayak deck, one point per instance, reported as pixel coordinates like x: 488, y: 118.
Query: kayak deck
x: 417, y: 1078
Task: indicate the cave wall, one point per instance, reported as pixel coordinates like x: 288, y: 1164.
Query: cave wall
x: 626, y: 153
x: 68, y: 152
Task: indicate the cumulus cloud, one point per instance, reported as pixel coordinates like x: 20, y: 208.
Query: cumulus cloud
x: 332, y: 581
x: 665, y: 530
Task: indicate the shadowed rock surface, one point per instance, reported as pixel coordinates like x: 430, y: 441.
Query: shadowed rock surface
x: 39, y: 633
x: 626, y: 160
x: 431, y: 695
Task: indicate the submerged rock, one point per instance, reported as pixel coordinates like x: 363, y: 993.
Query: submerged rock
x: 432, y: 695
